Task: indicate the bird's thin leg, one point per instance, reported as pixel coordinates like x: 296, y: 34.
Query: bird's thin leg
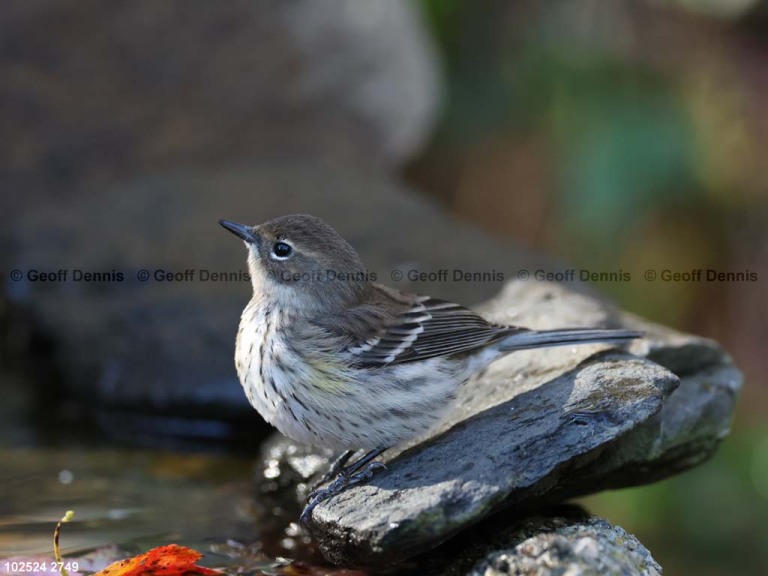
x: 336, y: 467
x: 347, y: 472
x: 355, y: 473
x: 355, y: 467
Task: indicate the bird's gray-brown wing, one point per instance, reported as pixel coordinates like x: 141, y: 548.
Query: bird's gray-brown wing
x: 418, y: 328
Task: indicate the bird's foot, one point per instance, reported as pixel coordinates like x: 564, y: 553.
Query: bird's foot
x: 343, y: 481
x: 336, y: 468
x: 354, y: 474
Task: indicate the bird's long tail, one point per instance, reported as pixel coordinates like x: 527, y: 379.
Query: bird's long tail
x: 541, y: 338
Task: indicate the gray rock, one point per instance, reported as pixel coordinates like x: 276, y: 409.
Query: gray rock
x: 512, y: 454
x: 693, y: 421
x: 540, y: 426
x: 94, y: 91
x: 552, y: 546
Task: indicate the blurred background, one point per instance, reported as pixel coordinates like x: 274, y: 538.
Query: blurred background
x: 611, y: 135
x: 630, y: 136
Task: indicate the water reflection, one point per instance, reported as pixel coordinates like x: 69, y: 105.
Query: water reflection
x: 123, y: 497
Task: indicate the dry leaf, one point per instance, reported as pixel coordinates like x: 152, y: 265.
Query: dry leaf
x: 171, y: 560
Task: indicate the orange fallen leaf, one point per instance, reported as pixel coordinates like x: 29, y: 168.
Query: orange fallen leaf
x: 171, y: 560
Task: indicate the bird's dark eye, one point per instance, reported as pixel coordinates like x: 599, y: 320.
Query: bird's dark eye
x: 282, y: 250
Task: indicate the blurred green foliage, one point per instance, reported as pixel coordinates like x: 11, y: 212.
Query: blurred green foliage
x: 645, y: 119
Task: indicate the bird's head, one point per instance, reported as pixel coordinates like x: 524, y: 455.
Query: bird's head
x: 299, y: 261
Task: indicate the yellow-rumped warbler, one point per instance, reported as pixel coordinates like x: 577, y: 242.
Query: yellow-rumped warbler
x: 334, y: 360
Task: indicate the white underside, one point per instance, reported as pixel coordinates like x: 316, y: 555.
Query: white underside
x: 342, y: 409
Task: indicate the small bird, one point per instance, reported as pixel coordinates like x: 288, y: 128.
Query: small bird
x: 335, y: 360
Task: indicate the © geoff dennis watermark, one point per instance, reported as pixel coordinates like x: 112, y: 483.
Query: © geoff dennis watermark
x: 648, y: 275
x: 35, y: 275
x: 445, y: 275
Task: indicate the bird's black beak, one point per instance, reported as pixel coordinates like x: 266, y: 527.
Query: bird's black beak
x: 239, y: 230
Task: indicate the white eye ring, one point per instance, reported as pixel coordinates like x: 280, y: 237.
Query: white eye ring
x: 281, y: 250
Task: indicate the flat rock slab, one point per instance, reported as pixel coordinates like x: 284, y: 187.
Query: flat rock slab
x: 538, y: 427
x: 506, y: 455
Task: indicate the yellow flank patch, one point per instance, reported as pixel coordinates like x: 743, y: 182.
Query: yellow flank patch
x: 325, y: 375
